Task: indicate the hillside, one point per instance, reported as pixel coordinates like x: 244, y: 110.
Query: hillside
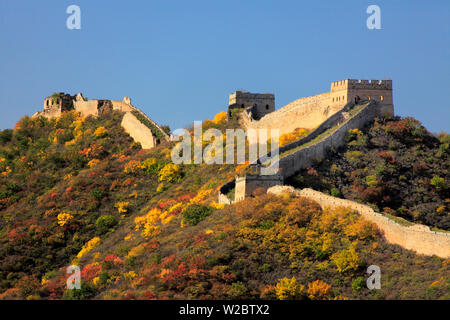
x: 80, y: 191
x: 395, y: 165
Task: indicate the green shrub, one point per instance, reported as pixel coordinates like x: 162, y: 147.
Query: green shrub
x: 86, y: 292
x: 335, y: 192
x: 122, y: 250
x: 57, y: 160
x: 237, y: 290
x: 152, y: 166
x: 438, y: 182
x: 358, y: 284
x: 267, y: 224
x: 6, y: 136
x: 104, y: 276
x: 98, y: 194
x: 445, y: 138
x: 195, y: 213
x: 354, y: 157
x: 130, y: 261
x: 104, y: 223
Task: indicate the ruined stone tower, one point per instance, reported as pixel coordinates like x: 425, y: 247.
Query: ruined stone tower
x: 135, y: 122
x: 258, y: 104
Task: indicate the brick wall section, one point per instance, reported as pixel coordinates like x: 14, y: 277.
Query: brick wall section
x: 309, y: 112
x: 166, y: 136
x: 292, y: 163
x: 418, y: 238
x: 138, y: 131
x: 245, y: 186
x: 306, y: 112
x: 338, y: 118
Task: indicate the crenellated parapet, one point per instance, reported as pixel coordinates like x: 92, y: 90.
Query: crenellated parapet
x: 303, y: 152
x: 309, y: 112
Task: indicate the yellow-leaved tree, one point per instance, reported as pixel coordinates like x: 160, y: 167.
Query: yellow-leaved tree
x: 319, y: 290
x: 170, y: 173
x: 289, y: 289
x: 293, y: 136
x: 220, y: 117
x: 346, y: 260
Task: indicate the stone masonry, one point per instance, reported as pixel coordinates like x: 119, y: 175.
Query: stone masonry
x: 291, y: 163
x: 58, y: 103
x: 256, y: 104
x: 416, y: 237
x: 309, y: 112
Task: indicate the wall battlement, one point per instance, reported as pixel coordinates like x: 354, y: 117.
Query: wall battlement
x: 309, y: 112
x: 258, y: 104
x: 291, y: 163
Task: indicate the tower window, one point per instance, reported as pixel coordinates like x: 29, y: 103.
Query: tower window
x: 267, y: 107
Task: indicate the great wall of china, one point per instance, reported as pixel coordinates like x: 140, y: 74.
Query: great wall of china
x: 416, y: 237
x: 301, y: 153
x: 350, y: 104
x: 309, y: 112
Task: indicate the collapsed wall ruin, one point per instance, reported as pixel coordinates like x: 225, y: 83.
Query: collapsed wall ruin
x: 135, y: 122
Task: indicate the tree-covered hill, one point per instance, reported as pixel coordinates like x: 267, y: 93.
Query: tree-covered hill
x: 393, y: 164
x: 79, y: 191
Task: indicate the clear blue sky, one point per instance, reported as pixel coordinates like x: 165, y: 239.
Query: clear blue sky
x: 179, y: 60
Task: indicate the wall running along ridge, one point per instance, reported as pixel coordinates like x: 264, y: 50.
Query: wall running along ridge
x: 138, y: 131
x: 416, y: 237
x: 306, y: 113
x: 292, y: 163
x: 132, y: 125
x: 309, y: 112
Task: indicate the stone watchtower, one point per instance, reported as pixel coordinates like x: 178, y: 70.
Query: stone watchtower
x: 259, y: 104
x: 57, y: 103
x: 351, y: 90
